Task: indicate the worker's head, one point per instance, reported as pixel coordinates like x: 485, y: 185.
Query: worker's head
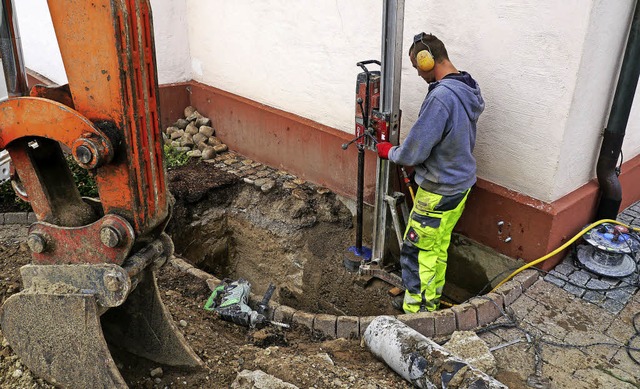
x: 426, y: 53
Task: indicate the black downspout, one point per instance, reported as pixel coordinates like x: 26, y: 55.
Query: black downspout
x: 610, y: 189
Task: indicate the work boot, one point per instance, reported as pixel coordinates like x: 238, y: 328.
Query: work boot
x: 398, y: 302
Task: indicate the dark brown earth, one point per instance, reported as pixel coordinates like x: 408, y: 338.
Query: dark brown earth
x: 293, y: 355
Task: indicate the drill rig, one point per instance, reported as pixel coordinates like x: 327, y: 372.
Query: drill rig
x: 92, y: 277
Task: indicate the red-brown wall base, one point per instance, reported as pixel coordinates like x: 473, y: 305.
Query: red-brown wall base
x: 511, y: 223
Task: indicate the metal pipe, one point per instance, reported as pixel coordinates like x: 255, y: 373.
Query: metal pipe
x: 15, y: 74
x: 393, y: 25
x: 360, y: 198
x: 610, y: 189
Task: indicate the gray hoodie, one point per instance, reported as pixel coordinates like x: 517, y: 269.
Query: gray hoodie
x: 440, y: 144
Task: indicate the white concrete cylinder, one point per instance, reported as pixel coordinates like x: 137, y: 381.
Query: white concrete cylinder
x: 420, y: 360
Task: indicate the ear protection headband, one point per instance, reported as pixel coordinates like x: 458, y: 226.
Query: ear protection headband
x: 424, y: 58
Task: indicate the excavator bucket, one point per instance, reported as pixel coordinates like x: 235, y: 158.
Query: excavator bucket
x: 59, y: 333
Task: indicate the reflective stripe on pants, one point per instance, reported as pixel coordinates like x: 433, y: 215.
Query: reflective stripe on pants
x: 423, y: 257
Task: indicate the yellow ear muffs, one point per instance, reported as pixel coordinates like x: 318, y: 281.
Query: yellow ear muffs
x: 424, y: 60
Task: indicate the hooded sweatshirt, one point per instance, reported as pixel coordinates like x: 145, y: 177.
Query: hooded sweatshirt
x: 440, y: 144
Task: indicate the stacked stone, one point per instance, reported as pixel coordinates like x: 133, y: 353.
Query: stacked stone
x: 194, y: 136
x: 264, y: 177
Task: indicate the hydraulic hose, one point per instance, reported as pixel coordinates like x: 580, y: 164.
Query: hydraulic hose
x: 559, y: 249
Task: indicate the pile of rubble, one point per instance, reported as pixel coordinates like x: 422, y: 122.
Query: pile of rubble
x: 195, y: 136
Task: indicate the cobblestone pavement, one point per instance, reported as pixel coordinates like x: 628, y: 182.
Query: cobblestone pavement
x: 569, y: 337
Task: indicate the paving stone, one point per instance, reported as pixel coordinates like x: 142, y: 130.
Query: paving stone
x: 622, y: 293
x: 444, y: 322
x: 554, y: 280
x: 15, y: 218
x: 31, y: 217
x: 348, y: 327
x: 488, y: 308
x: 594, y: 297
x: 575, y: 290
x: 260, y: 181
x: 466, y: 317
x: 1, y: 218
x: 564, y: 268
x: 324, y: 324
x: 284, y: 314
x: 364, y: 323
x: 598, y: 284
x: 526, y: 278
x: 510, y: 291
x: 580, y: 277
x: 289, y: 185
x: 304, y: 319
x: 423, y: 322
x: 267, y: 186
x: 613, y: 306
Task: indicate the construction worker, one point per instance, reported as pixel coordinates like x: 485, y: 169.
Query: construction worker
x: 439, y: 146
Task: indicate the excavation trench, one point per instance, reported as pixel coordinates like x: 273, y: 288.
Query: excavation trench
x: 296, y: 237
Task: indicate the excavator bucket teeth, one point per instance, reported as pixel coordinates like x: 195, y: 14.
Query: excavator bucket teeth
x: 62, y: 336
x: 143, y: 326
x: 58, y: 336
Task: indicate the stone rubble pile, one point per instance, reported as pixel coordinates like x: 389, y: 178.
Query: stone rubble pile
x: 195, y: 136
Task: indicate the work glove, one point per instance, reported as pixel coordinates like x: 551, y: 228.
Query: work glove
x: 383, y: 149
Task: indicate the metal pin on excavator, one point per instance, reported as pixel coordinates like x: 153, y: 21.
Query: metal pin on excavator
x: 92, y: 277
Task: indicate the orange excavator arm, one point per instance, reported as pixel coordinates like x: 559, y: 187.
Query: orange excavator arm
x: 105, y: 251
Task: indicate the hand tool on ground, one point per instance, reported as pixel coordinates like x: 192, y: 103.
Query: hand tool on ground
x: 230, y: 301
x: 92, y: 279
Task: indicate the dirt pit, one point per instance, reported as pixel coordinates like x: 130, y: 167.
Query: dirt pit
x: 296, y: 240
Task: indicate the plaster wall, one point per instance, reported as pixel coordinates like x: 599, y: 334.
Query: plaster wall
x: 42, y: 54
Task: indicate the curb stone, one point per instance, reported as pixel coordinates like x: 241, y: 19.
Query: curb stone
x: 477, y: 312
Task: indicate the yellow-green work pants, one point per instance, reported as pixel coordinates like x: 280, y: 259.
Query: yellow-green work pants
x: 423, y: 257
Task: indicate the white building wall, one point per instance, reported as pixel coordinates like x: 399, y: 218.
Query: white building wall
x: 547, y: 69
x: 539, y: 134
x: 42, y: 54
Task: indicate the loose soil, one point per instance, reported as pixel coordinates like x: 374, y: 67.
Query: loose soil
x: 293, y: 355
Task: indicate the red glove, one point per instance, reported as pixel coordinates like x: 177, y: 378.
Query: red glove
x: 383, y: 149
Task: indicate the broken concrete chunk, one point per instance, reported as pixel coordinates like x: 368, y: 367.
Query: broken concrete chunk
x: 157, y: 372
x: 208, y: 153
x: 267, y: 186
x: 187, y: 141
x: 194, y: 116
x: 257, y: 379
x: 191, y: 129
x: 181, y: 123
x: 214, y: 141
x: 189, y: 111
x: 468, y: 346
x: 194, y: 153
x: 177, y: 134
x: 220, y: 148
x: 206, y: 130
x: 203, y: 121
x: 171, y: 130
x: 197, y: 138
